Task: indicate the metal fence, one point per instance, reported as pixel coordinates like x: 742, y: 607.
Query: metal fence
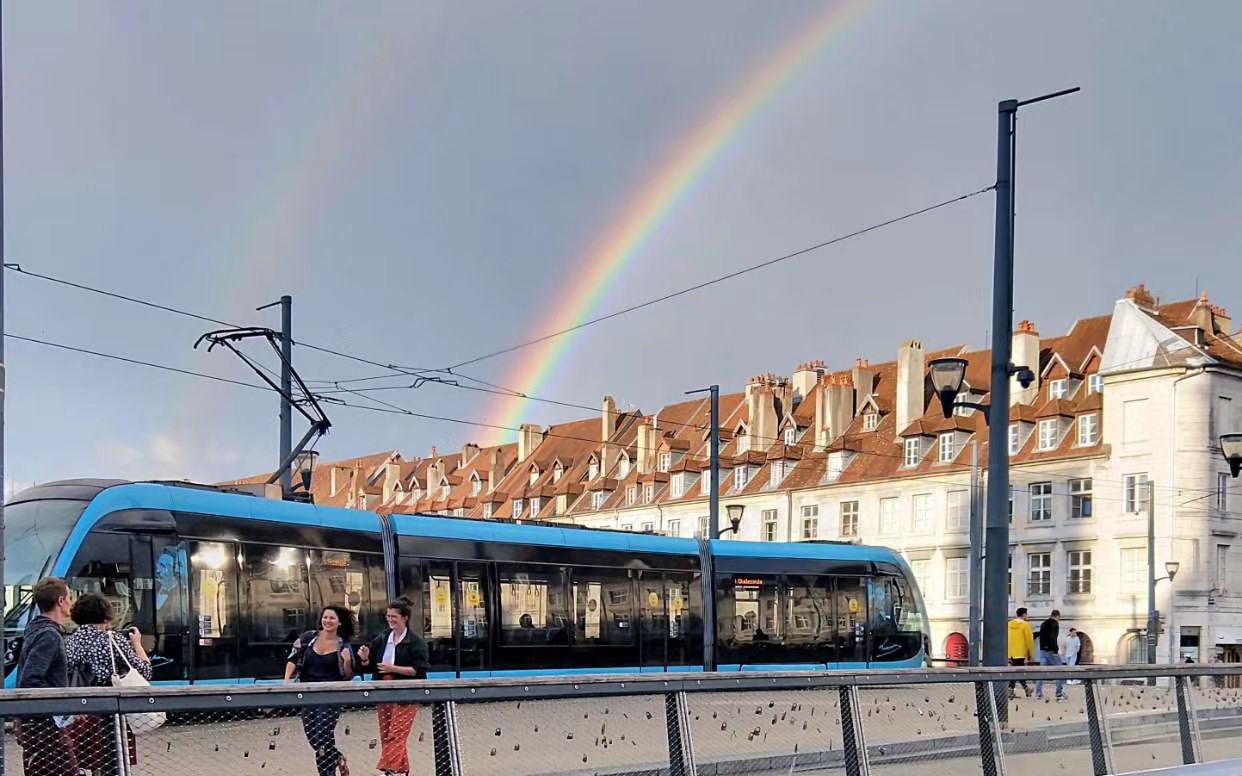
x: 887, y: 723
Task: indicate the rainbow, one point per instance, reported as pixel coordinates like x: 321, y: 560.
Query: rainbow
x: 651, y: 204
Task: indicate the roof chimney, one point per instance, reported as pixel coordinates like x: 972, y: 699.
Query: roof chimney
x: 863, y: 377
x: 834, y: 409
x: 529, y: 437
x: 608, y: 427
x: 1025, y: 352
x: 648, y: 438
x: 910, y: 379
x: 761, y: 409
x: 1142, y: 297
x: 805, y: 376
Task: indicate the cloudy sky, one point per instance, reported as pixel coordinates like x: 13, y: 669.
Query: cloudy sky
x: 429, y: 180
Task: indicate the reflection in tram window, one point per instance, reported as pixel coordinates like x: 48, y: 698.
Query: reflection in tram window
x: 532, y: 605
x: 213, y: 598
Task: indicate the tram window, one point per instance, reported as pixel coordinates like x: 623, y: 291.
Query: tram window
x: 684, y: 593
x: 654, y: 617
x: 214, y: 607
x: 750, y: 620
x: 532, y: 606
x: 809, y: 619
x: 603, y: 611
x: 896, y: 622
x: 339, y: 579
x: 372, y: 621
x: 277, y: 600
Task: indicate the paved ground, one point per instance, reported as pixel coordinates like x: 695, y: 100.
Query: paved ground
x: 909, y: 731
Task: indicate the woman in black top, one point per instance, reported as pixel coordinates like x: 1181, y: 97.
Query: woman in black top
x: 324, y: 656
x: 398, y: 653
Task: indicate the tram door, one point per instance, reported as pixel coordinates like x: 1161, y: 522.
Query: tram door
x: 214, y: 610
x: 850, y: 608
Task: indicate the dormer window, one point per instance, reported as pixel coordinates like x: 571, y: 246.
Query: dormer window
x: 597, y: 499
x: 741, y: 475
x: 958, y: 402
x: 631, y: 495
x: 871, y: 421
x: 1095, y: 383
x: 534, y: 474
x: 743, y: 440
x: 1088, y: 429
x: 487, y: 511
x: 517, y: 507
x: 475, y: 486
x: 948, y: 450
x: 705, y: 480
x: 665, y: 461
x: 444, y: 490
x: 678, y: 486
x: 557, y: 472
x: 913, y: 452
x: 535, y: 504
x: 778, y: 472
x: 1015, y: 438
x: 791, y: 435
x: 649, y: 494
x: 1057, y: 389
x: 623, y: 467
x: 592, y: 469
x: 1048, y: 434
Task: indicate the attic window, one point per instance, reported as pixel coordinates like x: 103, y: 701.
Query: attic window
x: 517, y: 507
x: 592, y: 469
x: 623, y: 467
x: 534, y: 474
x: 870, y: 421
x: 778, y: 472
x: 631, y: 495
x: 649, y: 495
x: 791, y: 435
x: 913, y: 451
x: 666, y: 461
x: 1095, y: 383
x: 487, y: 511
x: 958, y: 408
x: 741, y: 475
x: 597, y: 499
x: 557, y: 472
x: 1057, y: 389
x: 535, y: 504
x: 1048, y: 434
x: 678, y: 486
x: 475, y: 486
x: 743, y: 440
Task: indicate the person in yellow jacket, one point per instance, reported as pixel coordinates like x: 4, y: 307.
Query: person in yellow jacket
x: 1021, y: 647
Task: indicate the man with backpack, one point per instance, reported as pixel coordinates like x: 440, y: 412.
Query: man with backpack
x: 42, y: 663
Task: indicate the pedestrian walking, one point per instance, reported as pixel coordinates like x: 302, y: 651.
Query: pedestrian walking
x: 324, y: 655
x: 45, y: 745
x: 1021, y: 647
x: 1073, y: 647
x: 94, y: 655
x: 1050, y: 651
x: 397, y: 654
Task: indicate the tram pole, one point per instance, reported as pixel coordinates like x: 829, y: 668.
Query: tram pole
x: 286, y: 389
x: 4, y: 607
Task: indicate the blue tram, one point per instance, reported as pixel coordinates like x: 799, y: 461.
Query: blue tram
x: 221, y: 582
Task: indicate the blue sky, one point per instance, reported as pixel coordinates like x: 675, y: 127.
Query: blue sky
x: 424, y: 179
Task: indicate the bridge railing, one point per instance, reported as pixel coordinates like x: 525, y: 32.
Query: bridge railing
x: 1111, y: 720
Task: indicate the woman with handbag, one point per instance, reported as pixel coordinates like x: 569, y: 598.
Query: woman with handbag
x: 100, y: 658
x: 324, y: 655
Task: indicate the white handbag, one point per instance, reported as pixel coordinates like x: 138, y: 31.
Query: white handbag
x: 142, y: 722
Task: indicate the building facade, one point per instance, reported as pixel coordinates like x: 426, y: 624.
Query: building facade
x: 1125, y: 413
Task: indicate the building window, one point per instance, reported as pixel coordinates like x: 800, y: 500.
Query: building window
x: 597, y: 499
x: 535, y: 504
x: 623, y: 468
x: 1095, y: 383
x: 948, y: 450
x: 648, y: 527
x: 922, y: 522
x: 791, y: 435
x: 849, y: 519
x: 631, y: 495
x: 810, y: 521
x: 1048, y: 434
x: 1088, y: 429
x: 1133, y: 570
x: 778, y: 472
x: 743, y: 441
x: 649, y: 494
x: 1080, y: 497
x: 870, y: 421
x: 1041, y: 501
x: 959, y: 405
x: 1222, y: 491
x: 914, y: 451
x: 1137, y: 493
x: 627, y: 527
x: 518, y: 506
x: 674, y: 528
x: 666, y: 461
x: 1222, y: 567
x: 487, y: 511
x: 888, y: 517
x: 705, y: 479
x: 956, y: 578
x: 678, y: 485
x: 1015, y: 438
x: 1009, y: 576
x: 741, y: 476
x: 769, y: 525
x: 475, y: 487
x: 592, y: 469
x: 1039, y: 574
x: 704, y: 525
x: 1079, y: 562
x: 1057, y: 389
x: 920, y: 569
x: 557, y: 472
x: 958, y: 509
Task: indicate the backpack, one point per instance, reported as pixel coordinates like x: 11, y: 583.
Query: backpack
x: 304, y: 643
